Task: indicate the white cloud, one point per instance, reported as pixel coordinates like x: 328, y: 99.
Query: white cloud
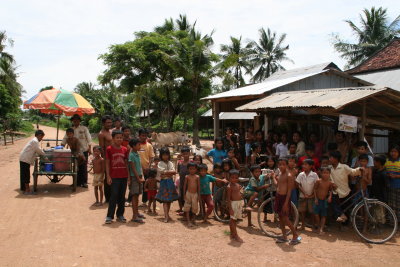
x: 58, y: 42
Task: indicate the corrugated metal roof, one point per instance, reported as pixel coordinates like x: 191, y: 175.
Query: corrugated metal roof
x: 276, y: 80
x: 390, y: 78
x: 326, y: 98
x: 231, y: 115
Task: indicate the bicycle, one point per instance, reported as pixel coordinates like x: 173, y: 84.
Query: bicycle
x: 371, y: 218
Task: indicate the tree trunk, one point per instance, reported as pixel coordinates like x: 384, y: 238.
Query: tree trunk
x: 196, y: 139
x: 185, y: 126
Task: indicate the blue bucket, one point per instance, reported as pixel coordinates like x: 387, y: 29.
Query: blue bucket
x: 59, y: 147
x: 48, y: 167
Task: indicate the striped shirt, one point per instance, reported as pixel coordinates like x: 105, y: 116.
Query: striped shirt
x: 393, y: 167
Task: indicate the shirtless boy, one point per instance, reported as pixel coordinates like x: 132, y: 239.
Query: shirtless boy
x: 235, y: 202
x: 282, y: 202
x: 249, y: 137
x: 98, y: 176
x: 323, y: 195
x: 105, y: 140
x: 191, y: 188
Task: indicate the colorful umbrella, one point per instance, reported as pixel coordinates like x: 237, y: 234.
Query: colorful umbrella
x: 58, y: 101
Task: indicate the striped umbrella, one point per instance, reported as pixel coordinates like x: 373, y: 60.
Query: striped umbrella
x: 59, y: 101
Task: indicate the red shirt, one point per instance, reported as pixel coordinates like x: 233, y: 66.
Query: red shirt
x: 118, y: 158
x: 125, y: 143
x: 316, y: 163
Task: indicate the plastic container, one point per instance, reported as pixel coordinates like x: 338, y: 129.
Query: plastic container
x: 48, y: 167
x: 59, y: 147
x: 62, y: 160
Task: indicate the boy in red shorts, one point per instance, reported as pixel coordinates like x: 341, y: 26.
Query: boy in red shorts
x: 150, y: 186
x: 282, y: 205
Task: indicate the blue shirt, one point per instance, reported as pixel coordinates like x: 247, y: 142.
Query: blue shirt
x: 205, y: 184
x: 135, y: 159
x: 217, y: 155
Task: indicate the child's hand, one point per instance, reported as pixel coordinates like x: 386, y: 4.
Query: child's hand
x: 141, y: 180
x: 129, y: 181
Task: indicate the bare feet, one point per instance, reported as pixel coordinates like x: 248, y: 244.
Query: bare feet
x: 238, y: 239
x: 166, y: 220
x: 190, y: 224
x: 251, y: 225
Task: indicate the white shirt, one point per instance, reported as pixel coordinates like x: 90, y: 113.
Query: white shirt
x: 82, y: 133
x: 340, y: 176
x: 307, y: 182
x: 164, y: 167
x: 30, y: 151
x: 282, y: 150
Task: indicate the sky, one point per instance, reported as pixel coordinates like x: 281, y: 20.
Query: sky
x: 58, y: 42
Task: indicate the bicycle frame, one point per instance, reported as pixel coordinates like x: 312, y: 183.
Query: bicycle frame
x: 362, y: 201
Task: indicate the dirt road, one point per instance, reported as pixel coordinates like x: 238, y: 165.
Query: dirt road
x: 61, y: 228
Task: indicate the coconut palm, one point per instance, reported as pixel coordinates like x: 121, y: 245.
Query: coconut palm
x: 374, y: 33
x: 235, y: 60
x: 268, y: 54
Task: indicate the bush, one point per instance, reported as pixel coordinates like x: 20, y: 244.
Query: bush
x: 27, y: 127
x: 94, y: 125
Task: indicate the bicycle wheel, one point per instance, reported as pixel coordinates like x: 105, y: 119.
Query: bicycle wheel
x: 377, y: 228
x: 221, y: 211
x: 271, y: 226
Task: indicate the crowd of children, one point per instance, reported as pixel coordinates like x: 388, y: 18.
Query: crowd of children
x: 311, y: 174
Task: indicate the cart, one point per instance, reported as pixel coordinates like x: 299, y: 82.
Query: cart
x: 62, y: 166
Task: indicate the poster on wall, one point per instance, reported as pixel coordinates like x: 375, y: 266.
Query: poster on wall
x: 347, y: 123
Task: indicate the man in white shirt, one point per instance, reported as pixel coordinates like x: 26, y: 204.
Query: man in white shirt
x: 82, y: 133
x: 282, y: 148
x: 340, y: 176
x: 27, y: 158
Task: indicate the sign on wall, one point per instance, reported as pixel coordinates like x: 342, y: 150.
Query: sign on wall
x: 347, y: 123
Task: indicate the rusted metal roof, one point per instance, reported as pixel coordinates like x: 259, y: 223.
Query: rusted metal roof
x: 322, y: 98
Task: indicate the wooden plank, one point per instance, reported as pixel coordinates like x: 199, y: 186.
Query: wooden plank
x: 390, y: 105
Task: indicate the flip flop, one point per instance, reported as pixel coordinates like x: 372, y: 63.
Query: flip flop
x: 281, y: 240
x: 295, y: 241
x: 137, y: 220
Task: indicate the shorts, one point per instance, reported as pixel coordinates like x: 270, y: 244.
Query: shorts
x: 248, y: 194
x: 278, y: 205
x: 136, y: 188
x: 321, y: 208
x: 237, y: 206
x: 191, y: 202
x: 306, y: 205
x: 247, y: 148
x: 98, y: 179
x: 151, y: 194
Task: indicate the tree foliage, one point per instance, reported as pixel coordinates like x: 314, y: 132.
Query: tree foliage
x: 374, y: 32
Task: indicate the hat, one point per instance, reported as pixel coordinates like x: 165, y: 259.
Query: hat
x: 76, y: 116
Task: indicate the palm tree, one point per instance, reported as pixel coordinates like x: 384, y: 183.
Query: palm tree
x: 374, y: 33
x: 268, y: 54
x: 235, y: 58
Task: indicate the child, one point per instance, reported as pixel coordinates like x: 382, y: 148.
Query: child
x: 292, y: 149
x: 379, y: 179
x: 305, y: 182
x: 150, y: 186
x: 366, y: 174
x: 310, y: 155
x: 167, y: 192
x: 191, y: 189
x: 235, y: 203
x: 98, y: 175
x: 198, y: 159
x: 227, y: 165
x: 282, y: 148
x: 231, y: 156
x: 292, y: 169
x: 255, y: 158
x: 218, y: 153
x: 75, y: 145
x: 322, y: 196
x: 183, y: 171
x: 249, y: 137
x: 27, y: 158
x: 135, y: 180
x: 271, y: 163
x: 252, y: 189
x: 362, y: 149
x: 285, y: 184
x: 117, y: 176
x: 392, y: 166
x: 218, y: 173
x: 126, y: 132
x: 154, y: 165
x: 325, y: 163
x: 205, y: 191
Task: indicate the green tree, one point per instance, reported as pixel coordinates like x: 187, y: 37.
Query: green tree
x: 235, y: 60
x: 374, y: 33
x: 267, y: 54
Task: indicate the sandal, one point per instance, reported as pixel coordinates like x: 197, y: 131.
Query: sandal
x: 281, y: 240
x: 295, y: 241
x: 137, y: 220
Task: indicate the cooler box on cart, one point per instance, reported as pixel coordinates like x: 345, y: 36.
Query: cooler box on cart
x: 62, y: 160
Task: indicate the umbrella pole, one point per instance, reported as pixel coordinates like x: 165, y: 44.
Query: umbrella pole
x: 58, y: 126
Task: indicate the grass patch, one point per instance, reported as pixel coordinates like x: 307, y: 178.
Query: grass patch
x: 27, y: 127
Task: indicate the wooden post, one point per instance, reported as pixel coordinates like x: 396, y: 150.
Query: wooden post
x: 363, y: 120
x: 58, y: 127
x: 266, y: 126
x: 216, y: 118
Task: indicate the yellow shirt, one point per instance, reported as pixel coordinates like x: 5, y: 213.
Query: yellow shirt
x: 146, y: 153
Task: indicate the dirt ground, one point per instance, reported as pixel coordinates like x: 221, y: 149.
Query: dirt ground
x: 60, y: 228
